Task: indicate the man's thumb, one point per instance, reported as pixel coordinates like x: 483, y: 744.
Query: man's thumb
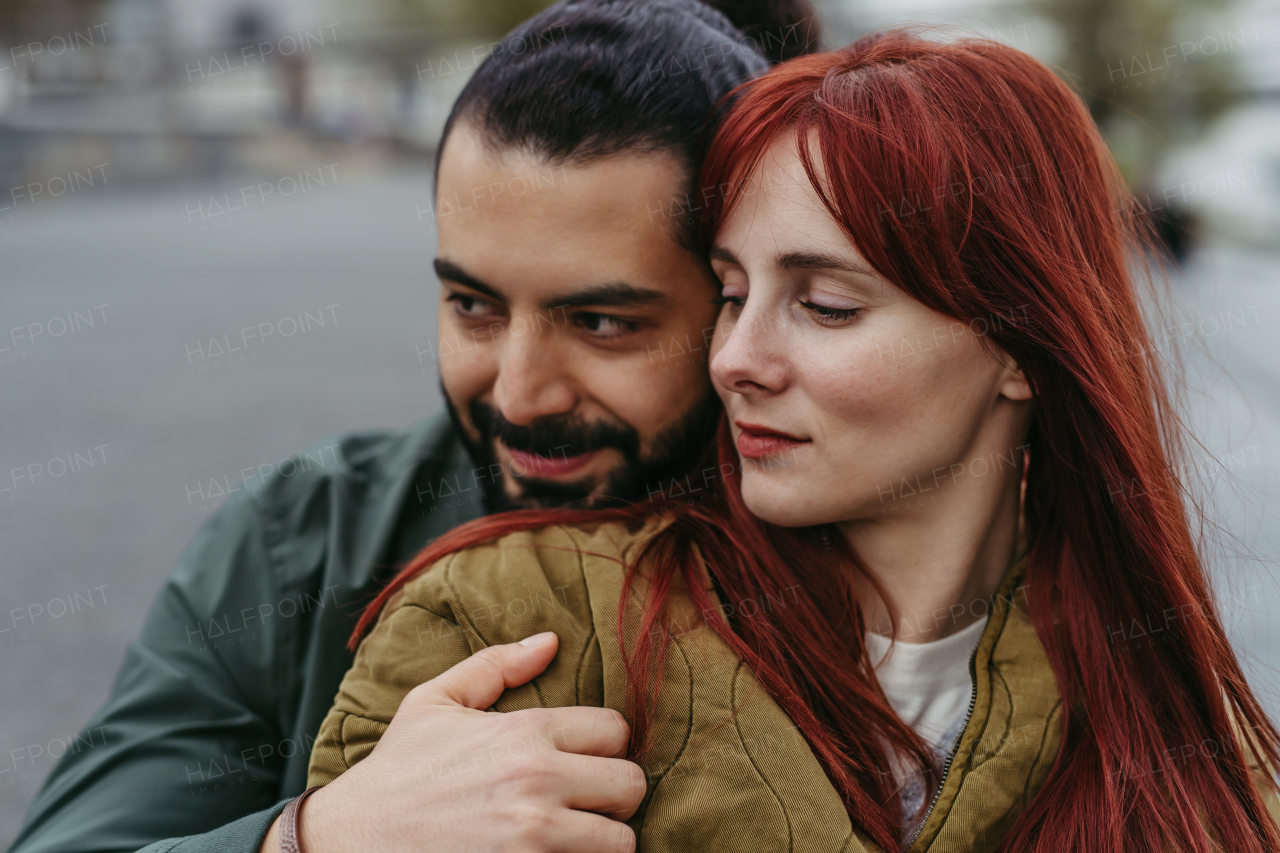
x: 478, y: 681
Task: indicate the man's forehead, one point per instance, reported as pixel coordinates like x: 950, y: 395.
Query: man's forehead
x: 528, y: 229
x: 478, y: 179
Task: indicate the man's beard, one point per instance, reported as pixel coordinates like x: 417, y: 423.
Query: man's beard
x: 675, y: 451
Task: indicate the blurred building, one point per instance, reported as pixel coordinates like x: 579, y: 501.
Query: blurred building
x: 165, y: 89
x: 143, y: 91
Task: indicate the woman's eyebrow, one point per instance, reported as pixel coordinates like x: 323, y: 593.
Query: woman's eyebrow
x: 719, y: 253
x: 819, y: 261
x: 799, y: 261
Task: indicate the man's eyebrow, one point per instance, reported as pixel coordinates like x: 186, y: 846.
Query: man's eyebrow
x: 448, y: 270
x: 818, y: 261
x: 615, y: 295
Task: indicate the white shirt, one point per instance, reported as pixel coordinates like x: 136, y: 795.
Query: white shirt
x: 928, y: 685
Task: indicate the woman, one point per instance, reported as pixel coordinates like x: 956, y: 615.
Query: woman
x: 932, y: 433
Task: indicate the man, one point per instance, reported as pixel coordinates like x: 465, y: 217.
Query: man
x: 567, y: 288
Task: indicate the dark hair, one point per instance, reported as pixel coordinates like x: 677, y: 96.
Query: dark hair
x: 585, y: 79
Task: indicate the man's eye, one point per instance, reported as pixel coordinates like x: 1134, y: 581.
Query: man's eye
x: 603, y: 325
x: 469, y: 306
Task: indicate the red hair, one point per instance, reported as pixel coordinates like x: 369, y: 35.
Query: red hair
x: 972, y: 178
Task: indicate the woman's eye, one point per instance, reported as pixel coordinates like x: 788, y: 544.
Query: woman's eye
x: 469, y: 306
x: 826, y: 314
x: 603, y: 325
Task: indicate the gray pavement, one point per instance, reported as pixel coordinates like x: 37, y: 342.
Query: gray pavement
x: 143, y: 396
x: 340, y: 278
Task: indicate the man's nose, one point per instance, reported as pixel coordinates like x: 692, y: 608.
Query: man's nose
x: 532, y: 380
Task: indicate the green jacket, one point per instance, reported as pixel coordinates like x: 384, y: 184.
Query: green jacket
x: 210, y: 721
x: 717, y: 780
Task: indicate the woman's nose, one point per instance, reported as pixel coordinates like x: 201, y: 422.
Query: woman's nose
x: 748, y: 353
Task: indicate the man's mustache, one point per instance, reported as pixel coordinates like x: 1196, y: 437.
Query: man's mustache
x: 554, y: 435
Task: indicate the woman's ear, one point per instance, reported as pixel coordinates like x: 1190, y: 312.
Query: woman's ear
x: 1014, y: 385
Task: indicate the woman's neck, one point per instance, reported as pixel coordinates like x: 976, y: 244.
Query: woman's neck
x: 939, y: 561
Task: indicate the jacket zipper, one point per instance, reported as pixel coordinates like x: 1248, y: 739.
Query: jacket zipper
x: 973, y: 700
x: 951, y: 751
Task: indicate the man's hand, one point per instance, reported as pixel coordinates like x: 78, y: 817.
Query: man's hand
x: 447, y: 776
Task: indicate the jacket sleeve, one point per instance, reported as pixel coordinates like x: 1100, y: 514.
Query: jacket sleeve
x: 187, y: 743
x: 492, y: 594
x: 412, y: 642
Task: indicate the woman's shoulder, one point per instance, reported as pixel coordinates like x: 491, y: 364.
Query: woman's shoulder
x: 529, y: 578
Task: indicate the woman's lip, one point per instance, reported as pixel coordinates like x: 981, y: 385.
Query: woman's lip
x: 533, y: 465
x: 756, y: 441
x: 756, y: 429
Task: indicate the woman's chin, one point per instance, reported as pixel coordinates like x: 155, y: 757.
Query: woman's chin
x: 778, y: 506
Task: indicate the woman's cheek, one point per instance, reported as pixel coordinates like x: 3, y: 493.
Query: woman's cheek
x: 849, y: 383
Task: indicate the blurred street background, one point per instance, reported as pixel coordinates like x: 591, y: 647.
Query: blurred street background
x: 172, y: 171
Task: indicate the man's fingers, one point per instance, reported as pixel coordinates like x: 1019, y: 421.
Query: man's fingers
x: 569, y: 831
x: 478, y: 681
x: 608, y: 786
x: 580, y: 729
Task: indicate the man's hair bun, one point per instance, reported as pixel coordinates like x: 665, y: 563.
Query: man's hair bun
x: 782, y: 29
